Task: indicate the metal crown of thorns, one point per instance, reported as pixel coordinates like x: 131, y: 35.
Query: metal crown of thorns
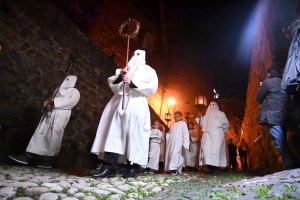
x: 133, y: 28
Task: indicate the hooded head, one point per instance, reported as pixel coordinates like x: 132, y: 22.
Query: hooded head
x: 69, y: 82
x: 138, y: 58
x: 211, y: 110
x: 213, y: 106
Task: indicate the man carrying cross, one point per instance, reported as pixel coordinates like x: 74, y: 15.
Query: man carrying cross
x: 126, y: 132
x: 47, y: 138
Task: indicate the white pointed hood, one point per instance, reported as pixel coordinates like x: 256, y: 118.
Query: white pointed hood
x: 69, y: 82
x: 212, y: 109
x: 138, y: 58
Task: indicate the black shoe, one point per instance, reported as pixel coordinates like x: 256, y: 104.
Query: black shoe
x: 146, y: 171
x: 106, y: 172
x: 44, y: 165
x: 20, y: 159
x: 123, y: 170
x: 132, y: 173
x: 211, y: 170
x: 174, y: 172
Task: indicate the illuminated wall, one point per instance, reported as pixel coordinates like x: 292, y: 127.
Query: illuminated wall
x: 270, y: 47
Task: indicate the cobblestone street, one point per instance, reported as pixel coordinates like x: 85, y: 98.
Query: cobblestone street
x: 25, y: 183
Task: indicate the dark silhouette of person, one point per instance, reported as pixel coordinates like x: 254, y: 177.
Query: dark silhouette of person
x: 243, y: 152
x: 232, y: 154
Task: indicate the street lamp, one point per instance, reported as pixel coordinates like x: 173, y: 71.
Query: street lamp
x: 171, y: 101
x: 201, y: 102
x: 168, y: 116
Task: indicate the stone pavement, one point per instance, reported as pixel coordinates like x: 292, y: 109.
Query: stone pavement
x: 25, y: 183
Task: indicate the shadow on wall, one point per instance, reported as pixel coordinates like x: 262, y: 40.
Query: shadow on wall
x: 14, y: 138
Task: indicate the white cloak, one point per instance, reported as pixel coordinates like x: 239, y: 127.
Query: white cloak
x: 212, y: 151
x: 47, y: 138
x: 156, y: 137
x: 190, y: 154
x: 126, y: 132
x: 176, y: 140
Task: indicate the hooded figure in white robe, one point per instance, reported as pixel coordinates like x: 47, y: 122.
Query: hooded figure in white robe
x: 156, y: 137
x: 47, y: 138
x: 126, y: 132
x: 214, y: 124
x: 177, y: 139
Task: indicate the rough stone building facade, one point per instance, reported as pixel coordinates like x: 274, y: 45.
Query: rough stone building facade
x: 39, y: 39
x: 270, y: 48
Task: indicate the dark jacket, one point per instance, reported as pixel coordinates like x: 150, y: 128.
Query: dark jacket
x: 232, y: 149
x: 274, y: 108
x: 291, y: 77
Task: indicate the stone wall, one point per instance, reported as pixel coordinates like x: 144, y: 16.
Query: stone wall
x: 270, y: 47
x: 37, y: 44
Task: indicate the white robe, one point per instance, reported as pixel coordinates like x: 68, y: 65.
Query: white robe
x: 156, y: 137
x: 213, y: 150
x: 176, y: 140
x: 126, y: 132
x: 190, y: 154
x: 47, y: 138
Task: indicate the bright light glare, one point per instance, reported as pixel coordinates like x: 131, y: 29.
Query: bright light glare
x: 171, y: 101
x: 245, y: 46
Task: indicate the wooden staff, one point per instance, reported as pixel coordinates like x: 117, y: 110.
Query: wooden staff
x: 55, y: 93
x: 133, y: 28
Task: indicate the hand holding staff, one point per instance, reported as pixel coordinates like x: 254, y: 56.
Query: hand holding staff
x: 125, y: 78
x: 50, y: 101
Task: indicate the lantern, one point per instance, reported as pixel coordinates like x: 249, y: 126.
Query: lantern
x: 201, y: 102
x: 168, y: 116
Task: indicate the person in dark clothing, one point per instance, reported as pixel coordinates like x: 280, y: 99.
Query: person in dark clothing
x: 243, y: 152
x: 232, y: 154
x: 273, y: 114
x: 295, y: 119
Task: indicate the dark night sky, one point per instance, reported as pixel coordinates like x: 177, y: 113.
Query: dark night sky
x: 211, y: 32
x: 214, y: 32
